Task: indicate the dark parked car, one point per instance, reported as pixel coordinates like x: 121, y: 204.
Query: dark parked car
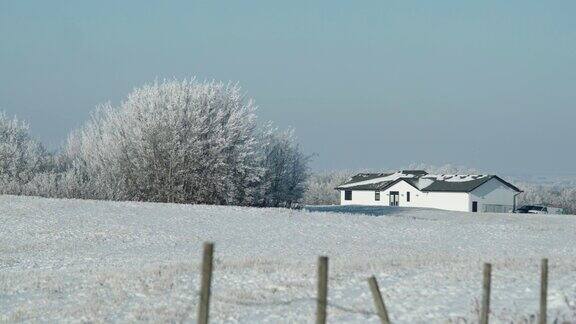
x: 531, y: 209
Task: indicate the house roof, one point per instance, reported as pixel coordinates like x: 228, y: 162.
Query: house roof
x: 375, y: 181
x: 361, y: 177
x: 421, y: 181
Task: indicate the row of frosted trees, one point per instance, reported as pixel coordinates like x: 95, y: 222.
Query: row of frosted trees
x: 174, y: 141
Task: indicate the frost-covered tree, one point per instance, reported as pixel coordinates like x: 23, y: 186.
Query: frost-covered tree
x: 320, y: 187
x: 442, y: 169
x: 173, y: 141
x: 21, y: 156
x: 285, y: 169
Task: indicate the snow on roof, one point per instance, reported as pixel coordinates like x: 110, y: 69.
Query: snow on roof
x: 384, y: 178
x: 455, y: 177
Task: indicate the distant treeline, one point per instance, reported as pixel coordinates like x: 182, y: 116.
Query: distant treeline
x: 174, y: 141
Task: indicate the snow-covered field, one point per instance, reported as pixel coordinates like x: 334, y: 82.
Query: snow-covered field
x: 76, y: 261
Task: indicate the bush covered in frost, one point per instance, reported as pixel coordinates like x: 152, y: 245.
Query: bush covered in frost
x: 21, y: 157
x: 175, y: 141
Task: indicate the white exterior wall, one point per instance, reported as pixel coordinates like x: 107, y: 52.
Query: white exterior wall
x: 456, y: 201
x: 366, y: 197
x: 493, y: 192
x: 403, y: 187
x: 361, y: 197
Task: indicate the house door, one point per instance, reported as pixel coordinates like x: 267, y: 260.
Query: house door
x: 474, y: 206
x: 394, y: 198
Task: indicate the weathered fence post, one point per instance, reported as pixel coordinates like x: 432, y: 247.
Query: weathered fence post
x: 204, y: 305
x: 543, y: 290
x: 322, y: 301
x: 484, y: 312
x: 378, y: 300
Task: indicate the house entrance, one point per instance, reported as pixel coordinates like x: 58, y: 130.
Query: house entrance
x: 394, y: 198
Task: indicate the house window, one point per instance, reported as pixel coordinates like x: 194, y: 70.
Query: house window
x: 348, y: 195
x: 377, y: 195
x: 408, y: 196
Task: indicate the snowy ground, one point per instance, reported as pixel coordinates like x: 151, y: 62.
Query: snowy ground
x: 76, y: 261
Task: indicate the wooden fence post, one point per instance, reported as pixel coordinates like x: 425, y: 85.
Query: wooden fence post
x: 206, y: 281
x: 543, y: 290
x: 484, y: 312
x: 378, y: 300
x: 322, y: 290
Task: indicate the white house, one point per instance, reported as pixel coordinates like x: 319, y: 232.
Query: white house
x: 416, y: 188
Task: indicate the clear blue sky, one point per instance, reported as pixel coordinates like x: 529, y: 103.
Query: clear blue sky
x: 366, y: 84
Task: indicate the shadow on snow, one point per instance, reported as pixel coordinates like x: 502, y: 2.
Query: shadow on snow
x: 361, y: 210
